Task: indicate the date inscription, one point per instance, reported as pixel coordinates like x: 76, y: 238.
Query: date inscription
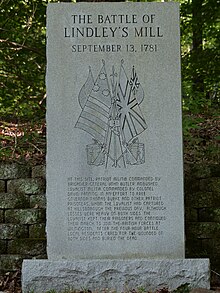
x: 115, y: 48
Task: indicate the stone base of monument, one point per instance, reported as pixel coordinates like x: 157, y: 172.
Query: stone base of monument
x: 119, y: 275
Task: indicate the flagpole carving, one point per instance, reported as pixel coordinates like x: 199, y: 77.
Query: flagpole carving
x: 111, y: 114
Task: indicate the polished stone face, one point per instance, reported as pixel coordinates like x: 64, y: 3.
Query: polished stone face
x: 114, y: 157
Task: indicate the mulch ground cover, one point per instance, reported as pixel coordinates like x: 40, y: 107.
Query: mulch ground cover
x: 26, y: 142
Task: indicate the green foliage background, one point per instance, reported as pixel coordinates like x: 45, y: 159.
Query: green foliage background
x: 23, y: 61
x: 201, y: 63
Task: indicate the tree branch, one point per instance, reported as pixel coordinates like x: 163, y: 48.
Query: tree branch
x: 20, y: 46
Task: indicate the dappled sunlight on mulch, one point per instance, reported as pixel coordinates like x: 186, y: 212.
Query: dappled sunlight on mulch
x: 26, y: 142
x: 11, y: 282
x: 202, y: 140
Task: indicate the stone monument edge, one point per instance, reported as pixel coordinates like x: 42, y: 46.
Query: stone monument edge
x: 117, y: 275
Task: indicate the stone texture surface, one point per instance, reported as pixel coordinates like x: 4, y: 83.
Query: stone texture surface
x: 119, y: 275
x: 201, y: 199
x: 39, y: 171
x: 25, y: 216
x: 27, y: 246
x: 201, y: 171
x: 202, y: 230
x: 11, y: 231
x: 216, y: 250
x: 202, y: 204
x: 3, y: 246
x: 27, y: 186
x: 11, y: 171
x: 37, y: 231
x: 2, y: 216
x: 196, y: 203
x: 210, y: 184
x: 14, y: 201
x: 38, y: 201
x: 11, y: 262
x: 191, y: 214
x: 2, y: 186
x: 209, y: 215
x: 77, y: 182
x: 215, y: 170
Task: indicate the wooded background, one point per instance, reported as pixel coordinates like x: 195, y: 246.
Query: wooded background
x: 23, y: 63
x: 23, y: 130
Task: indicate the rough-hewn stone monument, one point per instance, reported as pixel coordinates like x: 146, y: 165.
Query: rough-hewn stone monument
x: 114, y: 157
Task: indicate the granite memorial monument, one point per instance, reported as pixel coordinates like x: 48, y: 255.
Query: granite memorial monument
x: 115, y: 202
